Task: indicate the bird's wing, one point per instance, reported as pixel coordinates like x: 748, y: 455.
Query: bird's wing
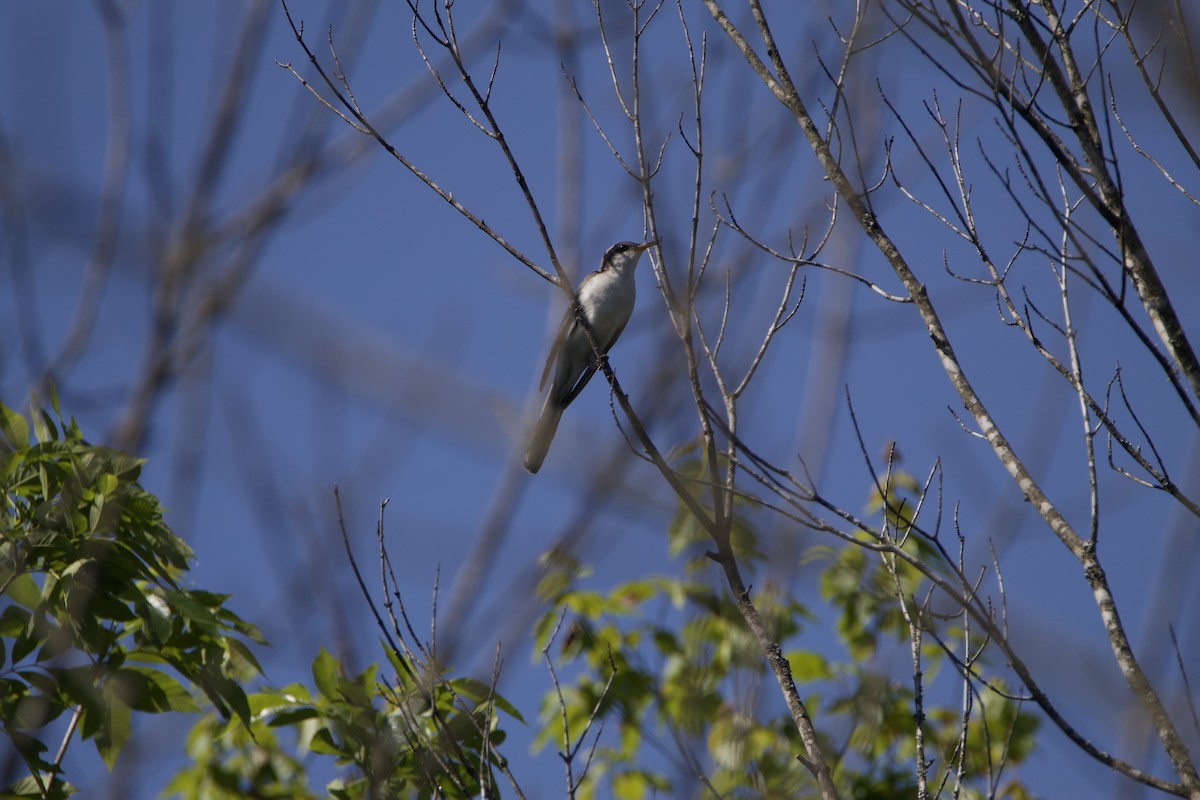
x: 586, y: 376
x: 591, y: 368
x: 616, y: 335
x: 564, y: 330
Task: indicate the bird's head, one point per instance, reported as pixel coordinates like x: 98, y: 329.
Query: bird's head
x: 624, y: 255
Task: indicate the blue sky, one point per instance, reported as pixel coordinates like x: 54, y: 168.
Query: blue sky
x: 383, y: 344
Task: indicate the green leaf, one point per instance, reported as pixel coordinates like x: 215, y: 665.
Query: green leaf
x: 322, y: 742
x: 241, y: 651
x: 28, y: 787
x: 44, y: 682
x: 264, y: 703
x: 54, y: 400
x: 325, y: 671
x: 156, y: 614
x: 809, y: 666
x: 107, y: 483
x: 482, y: 693
x: 13, y: 621
x: 152, y: 691
x: 43, y: 431
x: 292, y: 693
x: 15, y: 428
x: 193, y: 610
x: 292, y: 716
x: 399, y: 666
x: 25, y: 644
x: 237, y: 624
x: 113, y: 733
x: 24, y: 590
x: 47, y: 427
x: 32, y: 712
x: 636, y: 784
x: 233, y: 695
x: 30, y: 748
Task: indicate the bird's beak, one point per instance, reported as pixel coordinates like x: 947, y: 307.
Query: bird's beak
x: 646, y: 245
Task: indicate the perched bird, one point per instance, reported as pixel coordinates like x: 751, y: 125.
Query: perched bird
x: 606, y: 297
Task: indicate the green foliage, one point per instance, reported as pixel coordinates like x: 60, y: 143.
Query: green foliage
x: 860, y: 586
x: 94, y: 624
x: 690, y: 678
x: 231, y: 761
x: 670, y: 674
x: 687, y: 538
x: 408, y: 737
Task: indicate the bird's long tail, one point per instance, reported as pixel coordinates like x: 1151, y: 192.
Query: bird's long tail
x: 543, y: 433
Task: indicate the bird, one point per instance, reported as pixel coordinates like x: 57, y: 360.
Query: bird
x: 606, y: 297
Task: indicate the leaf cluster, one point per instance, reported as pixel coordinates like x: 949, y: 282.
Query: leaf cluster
x: 411, y: 736
x: 685, y: 698
x: 93, y: 618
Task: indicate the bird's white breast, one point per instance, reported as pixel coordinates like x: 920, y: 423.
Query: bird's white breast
x: 607, y: 299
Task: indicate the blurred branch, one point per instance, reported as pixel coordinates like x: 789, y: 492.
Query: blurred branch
x: 118, y: 140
